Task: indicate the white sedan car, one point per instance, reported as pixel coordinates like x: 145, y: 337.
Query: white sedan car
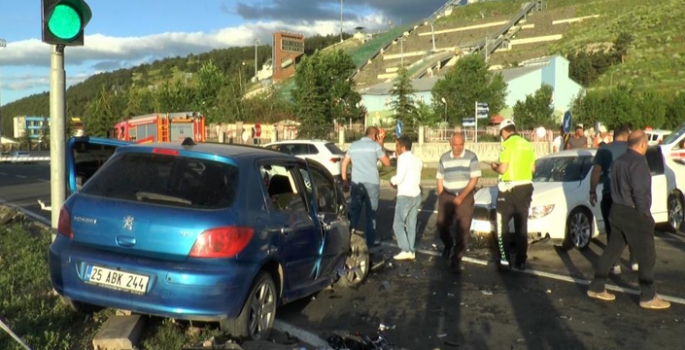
x: 560, y: 208
x: 325, y: 152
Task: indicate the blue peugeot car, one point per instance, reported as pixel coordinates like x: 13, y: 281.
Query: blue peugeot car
x: 203, y: 232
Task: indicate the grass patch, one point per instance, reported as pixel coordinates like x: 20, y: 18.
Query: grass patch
x: 370, y: 48
x: 27, y: 304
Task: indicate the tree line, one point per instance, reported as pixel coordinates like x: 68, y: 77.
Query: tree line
x: 235, y: 64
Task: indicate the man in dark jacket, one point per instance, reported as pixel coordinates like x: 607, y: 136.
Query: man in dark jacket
x: 631, y: 223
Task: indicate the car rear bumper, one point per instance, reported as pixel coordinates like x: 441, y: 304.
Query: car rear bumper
x: 207, y: 292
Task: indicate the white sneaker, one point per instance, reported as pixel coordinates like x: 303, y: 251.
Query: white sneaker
x: 405, y: 256
x: 616, y: 270
x: 634, y: 266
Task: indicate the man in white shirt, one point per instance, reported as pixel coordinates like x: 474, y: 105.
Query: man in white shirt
x: 558, y: 143
x: 407, y: 181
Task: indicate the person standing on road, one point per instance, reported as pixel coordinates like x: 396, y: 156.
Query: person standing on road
x: 578, y: 140
x: 559, y: 142
x: 457, y: 177
x: 364, y: 154
x: 601, y: 171
x: 516, y: 167
x: 408, y: 184
x: 632, y: 223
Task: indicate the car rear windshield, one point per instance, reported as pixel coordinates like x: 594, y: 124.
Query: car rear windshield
x: 334, y: 149
x: 166, y: 179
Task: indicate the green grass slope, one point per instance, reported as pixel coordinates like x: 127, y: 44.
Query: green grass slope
x: 656, y: 58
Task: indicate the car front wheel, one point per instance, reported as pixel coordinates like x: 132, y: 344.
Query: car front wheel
x: 578, y: 230
x: 676, y: 211
x: 259, y: 311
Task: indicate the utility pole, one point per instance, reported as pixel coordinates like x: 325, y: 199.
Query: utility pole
x: 341, y: 20
x: 3, y: 44
x: 58, y: 132
x: 401, y: 51
x: 256, y: 42
x: 433, y: 35
x: 444, y: 133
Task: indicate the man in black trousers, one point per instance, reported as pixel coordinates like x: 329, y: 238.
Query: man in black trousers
x: 631, y: 223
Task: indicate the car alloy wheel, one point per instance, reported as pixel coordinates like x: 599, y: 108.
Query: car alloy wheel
x: 357, y: 263
x: 676, y: 212
x: 579, y: 229
x: 257, y: 316
x: 262, y: 310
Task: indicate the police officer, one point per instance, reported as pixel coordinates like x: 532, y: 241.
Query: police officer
x: 516, y: 167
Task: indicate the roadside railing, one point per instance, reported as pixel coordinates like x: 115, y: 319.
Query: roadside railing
x: 23, y: 159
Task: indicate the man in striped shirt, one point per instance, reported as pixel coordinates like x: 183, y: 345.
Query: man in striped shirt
x: 458, y: 173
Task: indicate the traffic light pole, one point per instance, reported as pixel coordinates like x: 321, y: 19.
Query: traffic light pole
x: 57, y: 133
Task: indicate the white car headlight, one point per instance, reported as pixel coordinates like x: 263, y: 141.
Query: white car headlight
x: 540, y: 211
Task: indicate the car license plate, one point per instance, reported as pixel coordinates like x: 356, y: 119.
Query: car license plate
x: 115, y: 279
x: 481, y: 226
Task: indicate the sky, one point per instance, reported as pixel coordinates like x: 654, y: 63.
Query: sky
x: 126, y: 33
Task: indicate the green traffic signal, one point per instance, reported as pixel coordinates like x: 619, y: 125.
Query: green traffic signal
x: 65, y: 22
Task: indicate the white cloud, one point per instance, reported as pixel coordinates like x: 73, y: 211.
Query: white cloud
x: 100, y: 47
x: 32, y: 81
x: 25, y: 64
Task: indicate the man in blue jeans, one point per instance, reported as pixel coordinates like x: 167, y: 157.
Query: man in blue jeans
x: 408, y: 184
x: 364, y: 155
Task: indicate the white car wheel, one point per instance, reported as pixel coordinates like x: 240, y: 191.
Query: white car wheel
x: 578, y: 229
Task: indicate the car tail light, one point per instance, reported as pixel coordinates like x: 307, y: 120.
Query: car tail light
x: 335, y: 160
x: 168, y: 152
x: 64, y: 224
x: 221, y: 242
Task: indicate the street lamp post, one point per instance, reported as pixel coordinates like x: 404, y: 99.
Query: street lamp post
x: 401, y: 51
x: 256, y: 42
x: 433, y: 35
x: 3, y: 44
x: 341, y: 20
x: 611, y: 81
x: 444, y: 125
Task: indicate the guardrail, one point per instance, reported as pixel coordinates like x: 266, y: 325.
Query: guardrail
x: 497, y: 38
x: 23, y: 159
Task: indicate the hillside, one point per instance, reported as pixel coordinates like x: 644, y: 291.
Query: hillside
x: 174, y: 69
x: 655, y: 60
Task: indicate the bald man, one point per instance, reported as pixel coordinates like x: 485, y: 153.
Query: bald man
x: 631, y: 223
x: 457, y: 176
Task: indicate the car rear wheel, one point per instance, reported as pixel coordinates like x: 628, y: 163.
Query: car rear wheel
x: 578, y: 229
x: 356, y: 267
x: 676, y: 211
x: 257, y: 317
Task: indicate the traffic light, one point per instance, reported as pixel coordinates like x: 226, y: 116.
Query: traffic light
x: 64, y: 21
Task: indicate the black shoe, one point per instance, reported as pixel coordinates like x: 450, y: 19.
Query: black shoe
x: 520, y: 266
x: 456, y: 267
x: 446, y: 252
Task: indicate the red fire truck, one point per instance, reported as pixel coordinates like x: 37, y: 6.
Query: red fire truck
x: 162, y: 128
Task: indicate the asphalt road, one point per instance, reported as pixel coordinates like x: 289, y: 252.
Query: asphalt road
x: 23, y: 184
x: 426, y: 306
